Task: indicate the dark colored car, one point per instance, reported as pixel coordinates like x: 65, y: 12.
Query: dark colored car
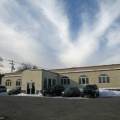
x: 91, y: 91
x: 14, y: 91
x: 3, y: 89
x: 71, y: 92
x: 53, y: 91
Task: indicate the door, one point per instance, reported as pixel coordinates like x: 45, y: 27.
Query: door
x: 28, y: 88
x: 31, y: 88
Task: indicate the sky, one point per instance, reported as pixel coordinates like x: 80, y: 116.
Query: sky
x: 59, y: 33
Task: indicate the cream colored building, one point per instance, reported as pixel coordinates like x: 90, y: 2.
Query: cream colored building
x: 32, y: 81
x: 12, y: 80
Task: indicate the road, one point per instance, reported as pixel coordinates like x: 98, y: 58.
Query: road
x: 38, y: 108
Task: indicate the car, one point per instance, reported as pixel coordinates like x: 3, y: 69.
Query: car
x: 3, y: 88
x: 71, y: 92
x: 55, y: 90
x: 14, y: 91
x: 91, y: 91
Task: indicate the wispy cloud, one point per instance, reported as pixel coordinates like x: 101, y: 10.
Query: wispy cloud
x: 39, y: 32
x: 88, y: 41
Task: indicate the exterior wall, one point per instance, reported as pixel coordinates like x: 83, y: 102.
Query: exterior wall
x: 93, y: 76
x: 13, y: 79
x: 38, y: 77
x: 29, y: 76
x: 49, y: 75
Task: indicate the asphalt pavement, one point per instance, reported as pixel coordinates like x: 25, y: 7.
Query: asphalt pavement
x: 40, y: 108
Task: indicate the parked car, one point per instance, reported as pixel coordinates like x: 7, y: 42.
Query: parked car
x: 14, y: 91
x: 53, y: 91
x: 3, y: 89
x: 91, y: 91
x: 71, y: 92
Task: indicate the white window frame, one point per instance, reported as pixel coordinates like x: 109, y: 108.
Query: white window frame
x: 83, y: 79
x: 103, y: 78
x: 8, y: 82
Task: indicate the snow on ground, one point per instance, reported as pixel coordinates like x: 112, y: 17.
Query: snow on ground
x: 103, y: 93
x: 108, y: 93
x: 34, y: 95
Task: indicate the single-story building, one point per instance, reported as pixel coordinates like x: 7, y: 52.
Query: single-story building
x: 32, y: 81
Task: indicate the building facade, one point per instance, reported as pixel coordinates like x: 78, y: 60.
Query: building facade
x: 32, y: 81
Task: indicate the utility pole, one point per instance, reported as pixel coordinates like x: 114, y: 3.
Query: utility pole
x: 12, y: 65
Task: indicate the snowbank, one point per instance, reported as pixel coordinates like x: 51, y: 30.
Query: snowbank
x: 34, y: 95
x: 108, y: 93
x: 103, y: 93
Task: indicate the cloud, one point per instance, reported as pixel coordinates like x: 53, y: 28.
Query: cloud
x: 88, y: 41
x: 40, y: 33
x: 113, y: 37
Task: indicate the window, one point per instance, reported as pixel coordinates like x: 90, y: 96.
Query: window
x: 8, y: 83
x: 54, y: 82
x: 103, y: 78
x: 65, y: 81
x: 83, y: 79
x: 18, y: 82
x: 45, y: 83
x: 49, y: 82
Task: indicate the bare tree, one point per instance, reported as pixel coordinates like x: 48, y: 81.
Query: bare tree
x: 26, y: 66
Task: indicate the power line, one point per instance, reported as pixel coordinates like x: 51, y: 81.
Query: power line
x: 12, y: 62
x: 12, y: 65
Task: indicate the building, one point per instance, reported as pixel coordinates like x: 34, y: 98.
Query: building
x: 32, y: 81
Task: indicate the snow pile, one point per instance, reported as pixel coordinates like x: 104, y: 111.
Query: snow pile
x: 32, y: 95
x: 103, y: 93
x: 109, y: 93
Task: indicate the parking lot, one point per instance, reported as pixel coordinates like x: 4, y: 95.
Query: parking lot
x: 41, y: 108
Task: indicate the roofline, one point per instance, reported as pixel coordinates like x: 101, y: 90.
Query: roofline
x: 83, y: 71
x: 41, y: 70
x: 83, y: 67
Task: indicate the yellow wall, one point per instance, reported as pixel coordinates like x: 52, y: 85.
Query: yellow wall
x: 93, y: 78
x: 32, y: 76
x: 13, y: 79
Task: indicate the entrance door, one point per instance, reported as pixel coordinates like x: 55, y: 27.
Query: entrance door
x: 31, y: 88
x: 28, y: 88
